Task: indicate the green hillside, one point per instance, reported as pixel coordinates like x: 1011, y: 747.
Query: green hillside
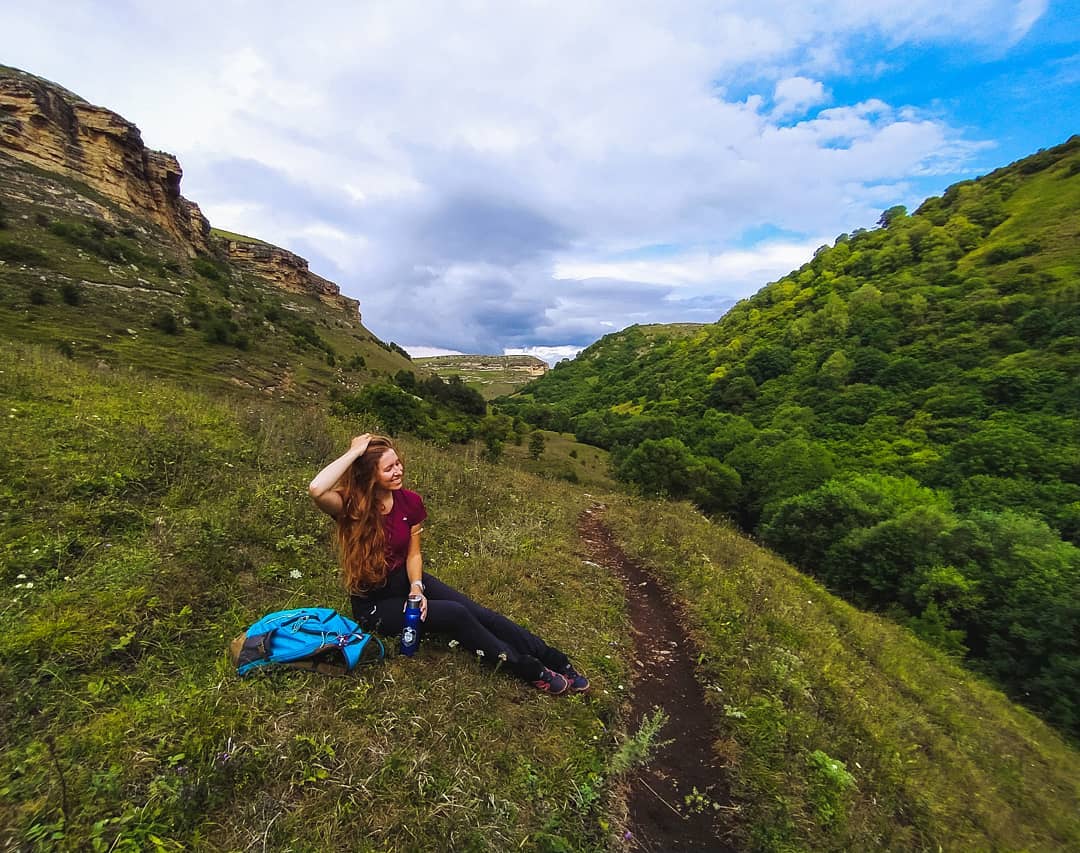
x: 122, y: 293
x: 145, y: 525
x: 898, y: 416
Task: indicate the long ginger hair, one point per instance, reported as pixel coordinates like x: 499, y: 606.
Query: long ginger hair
x: 360, y: 537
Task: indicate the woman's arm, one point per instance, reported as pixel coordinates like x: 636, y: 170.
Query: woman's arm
x: 414, y: 567
x: 321, y: 488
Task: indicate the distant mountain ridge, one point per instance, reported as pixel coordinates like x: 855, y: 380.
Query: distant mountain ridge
x: 492, y: 375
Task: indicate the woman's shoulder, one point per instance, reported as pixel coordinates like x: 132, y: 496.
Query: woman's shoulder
x: 410, y: 496
x: 411, y: 499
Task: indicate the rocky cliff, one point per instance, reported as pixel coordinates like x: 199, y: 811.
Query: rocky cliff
x: 288, y: 271
x: 53, y: 129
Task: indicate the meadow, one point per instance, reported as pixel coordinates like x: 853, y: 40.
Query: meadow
x: 145, y: 524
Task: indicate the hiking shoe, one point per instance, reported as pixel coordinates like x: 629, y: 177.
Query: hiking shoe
x: 576, y: 681
x: 551, y: 683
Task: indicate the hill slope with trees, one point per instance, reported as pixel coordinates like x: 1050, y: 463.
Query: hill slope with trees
x: 897, y: 416
x: 145, y: 525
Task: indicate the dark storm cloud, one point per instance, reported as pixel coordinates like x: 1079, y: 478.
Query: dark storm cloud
x: 479, y: 228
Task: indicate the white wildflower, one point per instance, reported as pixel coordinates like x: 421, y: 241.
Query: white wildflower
x: 453, y: 644
x: 20, y: 577
x: 479, y: 653
x: 296, y: 573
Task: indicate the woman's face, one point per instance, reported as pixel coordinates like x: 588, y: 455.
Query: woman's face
x: 389, y: 471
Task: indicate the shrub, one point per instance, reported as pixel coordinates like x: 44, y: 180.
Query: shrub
x: 71, y: 293
x: 37, y: 297
x: 167, y: 322
x: 17, y: 253
x: 1011, y: 251
x: 208, y: 269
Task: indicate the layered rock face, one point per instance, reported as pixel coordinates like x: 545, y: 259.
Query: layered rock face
x: 288, y: 271
x: 49, y: 127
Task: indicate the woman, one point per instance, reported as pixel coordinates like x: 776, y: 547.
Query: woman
x: 378, y: 533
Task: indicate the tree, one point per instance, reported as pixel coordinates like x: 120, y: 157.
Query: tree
x: 892, y: 215
x: 536, y: 444
x: 658, y: 467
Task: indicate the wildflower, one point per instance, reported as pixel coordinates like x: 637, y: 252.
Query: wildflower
x: 479, y: 653
x: 296, y: 573
x: 20, y: 577
x: 454, y: 644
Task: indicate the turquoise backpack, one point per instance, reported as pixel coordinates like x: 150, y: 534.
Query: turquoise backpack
x: 313, y: 638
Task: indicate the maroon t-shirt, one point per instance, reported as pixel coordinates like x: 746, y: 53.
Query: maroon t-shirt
x: 405, y: 513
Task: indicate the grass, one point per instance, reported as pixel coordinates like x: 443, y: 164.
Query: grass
x: 566, y: 459
x: 840, y: 729
x: 145, y: 525
x: 232, y: 235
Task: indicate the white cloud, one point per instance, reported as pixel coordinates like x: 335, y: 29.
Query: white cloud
x: 463, y: 168
x: 739, y: 272
x: 417, y: 351
x: 794, y: 95
x: 1027, y: 13
x: 551, y: 355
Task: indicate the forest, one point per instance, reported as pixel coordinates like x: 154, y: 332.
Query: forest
x: 898, y: 417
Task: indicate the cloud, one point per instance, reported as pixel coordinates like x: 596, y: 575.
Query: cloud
x: 793, y: 95
x: 417, y: 351
x: 552, y: 355
x: 741, y: 270
x: 487, y: 176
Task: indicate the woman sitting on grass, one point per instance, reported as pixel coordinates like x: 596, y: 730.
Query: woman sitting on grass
x: 378, y: 532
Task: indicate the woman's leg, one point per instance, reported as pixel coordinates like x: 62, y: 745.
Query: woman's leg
x: 508, y: 633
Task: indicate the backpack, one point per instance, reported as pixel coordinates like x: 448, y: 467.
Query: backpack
x: 313, y: 638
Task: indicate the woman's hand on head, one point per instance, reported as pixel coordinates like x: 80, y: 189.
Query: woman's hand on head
x: 360, y: 443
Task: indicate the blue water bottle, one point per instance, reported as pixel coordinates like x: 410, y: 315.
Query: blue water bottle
x: 410, y: 634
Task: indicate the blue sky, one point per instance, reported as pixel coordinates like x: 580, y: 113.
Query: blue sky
x: 528, y: 176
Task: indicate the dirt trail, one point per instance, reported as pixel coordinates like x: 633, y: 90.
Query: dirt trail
x: 660, y: 816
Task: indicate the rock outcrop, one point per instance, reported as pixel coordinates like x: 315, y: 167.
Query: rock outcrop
x: 288, y: 271
x: 53, y: 129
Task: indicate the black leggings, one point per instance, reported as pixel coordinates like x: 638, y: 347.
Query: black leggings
x: 450, y: 612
